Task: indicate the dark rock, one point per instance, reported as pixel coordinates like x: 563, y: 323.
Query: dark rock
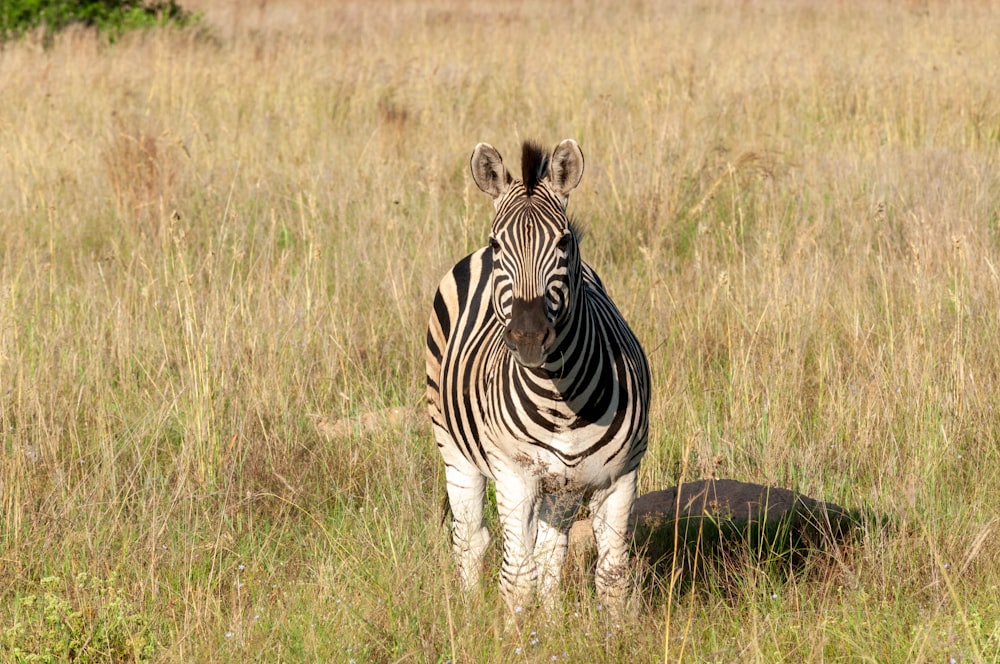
x: 724, y: 525
x: 713, y: 517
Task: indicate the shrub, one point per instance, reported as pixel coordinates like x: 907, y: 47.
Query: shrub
x: 85, y: 619
x: 109, y: 17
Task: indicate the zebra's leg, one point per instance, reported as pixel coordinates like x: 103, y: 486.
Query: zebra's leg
x: 611, y: 510
x: 470, y: 537
x: 517, y: 507
x: 555, y: 516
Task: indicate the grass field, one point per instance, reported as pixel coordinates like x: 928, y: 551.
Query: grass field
x: 218, y: 248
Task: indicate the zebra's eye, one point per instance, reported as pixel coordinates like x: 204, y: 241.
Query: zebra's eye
x: 494, y: 245
x: 564, y: 241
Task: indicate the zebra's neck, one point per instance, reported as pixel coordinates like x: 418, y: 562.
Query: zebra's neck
x: 574, y: 348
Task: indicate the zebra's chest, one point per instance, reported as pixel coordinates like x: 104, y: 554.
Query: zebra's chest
x: 551, y: 469
x: 559, y: 452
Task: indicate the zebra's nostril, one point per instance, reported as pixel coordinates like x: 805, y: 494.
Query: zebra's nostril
x: 528, y: 320
x: 529, y: 332
x: 524, y: 337
x: 550, y: 337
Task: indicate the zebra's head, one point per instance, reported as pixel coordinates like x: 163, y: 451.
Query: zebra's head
x: 536, y: 259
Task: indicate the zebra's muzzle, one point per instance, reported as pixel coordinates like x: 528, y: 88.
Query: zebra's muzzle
x: 529, y: 334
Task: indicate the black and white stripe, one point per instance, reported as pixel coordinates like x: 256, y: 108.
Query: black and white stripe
x: 535, y: 380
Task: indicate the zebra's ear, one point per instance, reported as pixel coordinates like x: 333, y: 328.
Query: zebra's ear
x: 566, y: 169
x: 488, y: 170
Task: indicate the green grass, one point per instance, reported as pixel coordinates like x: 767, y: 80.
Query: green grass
x: 217, y: 259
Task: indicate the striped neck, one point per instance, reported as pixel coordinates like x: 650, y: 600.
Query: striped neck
x: 565, y: 357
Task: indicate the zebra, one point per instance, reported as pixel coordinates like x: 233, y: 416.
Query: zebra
x: 535, y: 380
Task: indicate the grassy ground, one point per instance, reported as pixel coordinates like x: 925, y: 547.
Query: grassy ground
x: 218, y: 248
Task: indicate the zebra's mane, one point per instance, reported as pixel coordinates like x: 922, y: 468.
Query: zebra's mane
x: 534, y: 164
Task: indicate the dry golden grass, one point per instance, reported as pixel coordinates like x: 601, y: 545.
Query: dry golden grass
x: 218, y: 248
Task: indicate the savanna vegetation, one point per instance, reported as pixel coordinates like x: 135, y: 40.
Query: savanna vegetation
x: 218, y: 246
x: 110, y: 18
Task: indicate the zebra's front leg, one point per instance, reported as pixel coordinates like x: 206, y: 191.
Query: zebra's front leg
x: 555, y: 516
x: 517, y: 508
x: 470, y: 537
x: 611, y: 510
